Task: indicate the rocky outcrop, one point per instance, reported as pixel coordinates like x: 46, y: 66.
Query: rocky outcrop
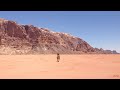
x: 28, y: 39
x: 102, y: 51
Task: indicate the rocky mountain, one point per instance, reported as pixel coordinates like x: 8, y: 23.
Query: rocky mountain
x: 28, y: 39
x: 101, y: 51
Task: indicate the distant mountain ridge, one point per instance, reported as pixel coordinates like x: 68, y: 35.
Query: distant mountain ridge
x: 28, y: 39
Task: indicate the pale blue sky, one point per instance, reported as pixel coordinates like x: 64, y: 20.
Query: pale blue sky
x: 100, y: 29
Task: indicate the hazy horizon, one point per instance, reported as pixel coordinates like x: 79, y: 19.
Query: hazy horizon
x: 101, y: 29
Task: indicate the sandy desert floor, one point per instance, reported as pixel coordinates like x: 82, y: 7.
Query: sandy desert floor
x: 69, y: 67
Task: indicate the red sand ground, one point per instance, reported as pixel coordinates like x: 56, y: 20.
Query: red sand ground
x: 69, y: 67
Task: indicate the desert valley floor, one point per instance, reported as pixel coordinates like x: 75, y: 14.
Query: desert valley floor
x: 70, y: 66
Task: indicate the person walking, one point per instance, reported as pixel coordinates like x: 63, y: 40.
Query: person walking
x: 58, y: 57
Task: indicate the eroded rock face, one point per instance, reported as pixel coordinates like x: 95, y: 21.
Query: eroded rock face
x: 41, y: 40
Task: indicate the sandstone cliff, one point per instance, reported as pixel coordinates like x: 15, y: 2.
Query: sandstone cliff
x: 28, y: 39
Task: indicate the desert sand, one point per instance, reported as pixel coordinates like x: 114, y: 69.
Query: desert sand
x: 70, y: 66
